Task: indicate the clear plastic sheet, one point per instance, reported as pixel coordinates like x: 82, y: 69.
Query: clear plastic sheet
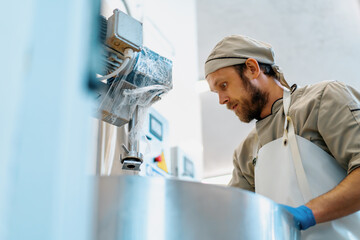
x: 146, y: 78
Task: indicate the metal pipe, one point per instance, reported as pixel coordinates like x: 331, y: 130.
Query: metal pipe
x: 132, y: 159
x: 133, y: 144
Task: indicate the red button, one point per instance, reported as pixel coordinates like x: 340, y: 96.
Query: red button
x: 157, y: 159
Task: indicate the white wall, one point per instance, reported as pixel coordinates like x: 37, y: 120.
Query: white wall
x: 176, y: 21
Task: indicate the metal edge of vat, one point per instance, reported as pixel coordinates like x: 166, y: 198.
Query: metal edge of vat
x: 146, y: 208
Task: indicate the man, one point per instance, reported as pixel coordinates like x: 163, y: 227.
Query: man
x: 305, y: 150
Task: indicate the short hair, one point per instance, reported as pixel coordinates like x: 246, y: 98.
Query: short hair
x: 266, y: 68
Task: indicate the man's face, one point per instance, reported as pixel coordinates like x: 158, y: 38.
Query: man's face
x: 239, y: 95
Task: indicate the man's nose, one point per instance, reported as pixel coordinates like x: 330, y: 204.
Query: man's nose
x: 223, y: 99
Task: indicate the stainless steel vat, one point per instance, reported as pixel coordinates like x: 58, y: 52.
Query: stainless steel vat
x: 144, y: 208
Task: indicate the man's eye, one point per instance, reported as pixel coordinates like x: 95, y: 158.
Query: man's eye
x: 223, y: 85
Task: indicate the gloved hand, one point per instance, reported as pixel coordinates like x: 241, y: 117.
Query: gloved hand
x: 303, y: 216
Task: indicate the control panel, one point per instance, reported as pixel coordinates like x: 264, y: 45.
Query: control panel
x: 155, y: 146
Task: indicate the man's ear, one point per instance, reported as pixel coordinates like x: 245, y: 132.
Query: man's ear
x: 253, y: 67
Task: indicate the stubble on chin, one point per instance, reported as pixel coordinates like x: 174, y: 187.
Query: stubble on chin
x: 251, y: 109
x: 244, y: 114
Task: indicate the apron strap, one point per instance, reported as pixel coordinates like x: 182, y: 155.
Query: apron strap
x: 286, y: 101
x: 289, y: 136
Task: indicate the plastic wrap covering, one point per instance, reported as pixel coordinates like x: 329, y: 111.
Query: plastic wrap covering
x: 147, y: 77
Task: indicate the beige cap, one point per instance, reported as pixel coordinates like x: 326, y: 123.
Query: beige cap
x: 236, y: 49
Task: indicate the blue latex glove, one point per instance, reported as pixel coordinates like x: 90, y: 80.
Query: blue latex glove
x: 303, y: 216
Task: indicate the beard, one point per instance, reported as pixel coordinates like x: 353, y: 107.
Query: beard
x: 251, y: 108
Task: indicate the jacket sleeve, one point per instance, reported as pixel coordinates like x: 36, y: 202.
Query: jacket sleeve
x: 243, y: 172
x: 339, y: 123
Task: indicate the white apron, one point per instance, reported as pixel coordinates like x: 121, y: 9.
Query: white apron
x: 287, y: 165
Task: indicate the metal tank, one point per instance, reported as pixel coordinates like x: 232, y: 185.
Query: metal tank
x: 144, y: 208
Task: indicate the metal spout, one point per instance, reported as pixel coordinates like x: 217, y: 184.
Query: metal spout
x: 132, y: 159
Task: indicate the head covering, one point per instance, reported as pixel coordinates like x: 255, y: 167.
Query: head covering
x: 236, y: 49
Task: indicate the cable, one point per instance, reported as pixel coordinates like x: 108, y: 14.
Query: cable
x: 126, y: 7
x: 128, y: 54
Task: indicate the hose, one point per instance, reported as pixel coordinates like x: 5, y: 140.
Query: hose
x: 128, y: 54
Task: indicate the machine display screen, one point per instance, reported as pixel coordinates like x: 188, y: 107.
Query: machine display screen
x: 188, y: 167
x: 156, y: 127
